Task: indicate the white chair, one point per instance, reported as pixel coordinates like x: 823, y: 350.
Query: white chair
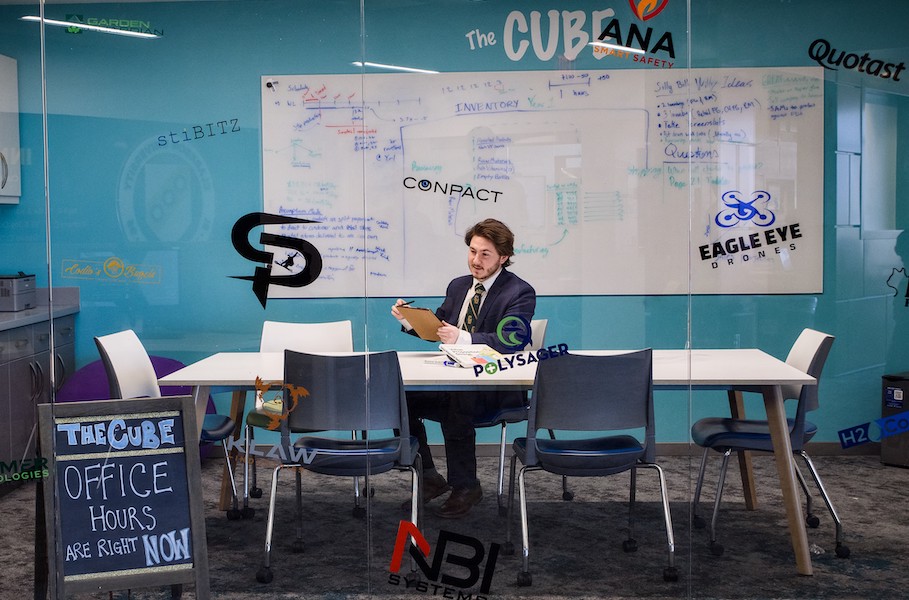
x: 130, y: 374
x: 278, y: 336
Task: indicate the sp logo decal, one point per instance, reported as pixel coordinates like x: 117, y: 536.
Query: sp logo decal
x: 299, y: 251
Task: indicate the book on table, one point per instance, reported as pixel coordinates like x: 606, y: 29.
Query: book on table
x: 468, y: 355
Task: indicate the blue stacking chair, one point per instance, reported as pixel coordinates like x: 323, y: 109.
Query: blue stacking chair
x: 360, y: 392
x: 590, y: 394
x: 726, y: 435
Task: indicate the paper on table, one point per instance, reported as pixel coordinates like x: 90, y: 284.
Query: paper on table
x: 424, y: 321
x: 468, y: 355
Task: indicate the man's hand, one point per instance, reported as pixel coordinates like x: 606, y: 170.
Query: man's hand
x: 448, y: 333
x: 394, y: 310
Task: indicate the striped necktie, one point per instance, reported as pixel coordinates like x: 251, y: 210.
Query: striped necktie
x: 473, y: 309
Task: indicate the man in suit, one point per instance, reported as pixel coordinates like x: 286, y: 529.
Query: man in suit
x: 473, y: 307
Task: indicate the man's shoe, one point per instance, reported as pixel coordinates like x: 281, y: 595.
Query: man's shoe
x: 434, y: 485
x: 460, y: 502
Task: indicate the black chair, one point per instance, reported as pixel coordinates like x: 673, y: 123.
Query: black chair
x: 808, y: 354
x: 503, y: 416
x: 361, y: 392
x: 590, y: 394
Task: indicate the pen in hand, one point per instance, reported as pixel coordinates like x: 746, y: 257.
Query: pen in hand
x: 406, y: 303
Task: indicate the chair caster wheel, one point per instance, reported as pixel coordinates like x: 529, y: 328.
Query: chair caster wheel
x: 698, y: 522
x: 508, y: 549
x: 264, y: 575
x: 670, y: 574
x: 842, y: 551
x: 411, y: 581
x: 716, y: 549
x: 630, y: 545
x: 297, y: 547
x: 524, y: 579
x: 812, y: 521
x: 503, y: 511
x: 255, y: 492
x: 567, y: 496
x: 359, y: 512
x: 233, y: 514
x: 247, y: 512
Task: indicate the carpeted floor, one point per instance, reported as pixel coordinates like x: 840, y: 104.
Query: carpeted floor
x: 576, y: 547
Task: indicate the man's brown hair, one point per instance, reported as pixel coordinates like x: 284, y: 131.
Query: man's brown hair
x: 496, y: 232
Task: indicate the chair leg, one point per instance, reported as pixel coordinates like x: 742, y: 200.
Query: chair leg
x: 264, y: 574
x: 509, y: 546
x: 234, y: 512
x: 671, y: 572
x: 630, y: 545
x: 810, y: 520
x: 298, y: 543
x: 567, y: 495
x: 842, y: 550
x: 715, y: 548
x: 524, y: 577
x: 696, y: 519
x: 500, y: 496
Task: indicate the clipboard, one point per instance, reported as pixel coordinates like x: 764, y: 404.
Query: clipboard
x: 424, y: 321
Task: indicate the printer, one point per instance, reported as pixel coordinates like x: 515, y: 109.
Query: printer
x: 17, y: 292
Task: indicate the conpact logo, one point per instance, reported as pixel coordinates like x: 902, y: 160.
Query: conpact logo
x: 472, y: 564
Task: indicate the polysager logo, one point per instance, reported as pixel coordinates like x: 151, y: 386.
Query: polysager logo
x: 514, y: 331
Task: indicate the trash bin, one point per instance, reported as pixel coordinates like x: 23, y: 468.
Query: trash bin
x: 895, y: 391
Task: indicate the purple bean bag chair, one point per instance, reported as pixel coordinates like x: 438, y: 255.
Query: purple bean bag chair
x: 90, y: 383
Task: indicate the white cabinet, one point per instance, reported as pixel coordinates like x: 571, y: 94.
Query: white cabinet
x: 10, y: 169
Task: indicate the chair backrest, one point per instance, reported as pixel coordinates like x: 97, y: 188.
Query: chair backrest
x: 336, y: 336
x: 537, y: 334
x: 362, y: 392
x: 808, y: 354
x: 130, y: 372
x: 593, y: 393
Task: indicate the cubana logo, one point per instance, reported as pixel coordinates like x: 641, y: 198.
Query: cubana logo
x: 514, y: 331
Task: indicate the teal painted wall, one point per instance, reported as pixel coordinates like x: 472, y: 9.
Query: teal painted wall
x: 109, y: 98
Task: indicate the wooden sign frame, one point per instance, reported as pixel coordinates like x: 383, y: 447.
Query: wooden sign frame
x: 182, y: 410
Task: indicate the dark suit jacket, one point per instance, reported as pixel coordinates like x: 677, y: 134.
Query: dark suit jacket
x: 510, y: 296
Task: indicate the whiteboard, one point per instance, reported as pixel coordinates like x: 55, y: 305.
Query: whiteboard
x: 614, y: 182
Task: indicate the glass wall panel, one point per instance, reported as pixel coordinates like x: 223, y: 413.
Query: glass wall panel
x: 800, y: 231
x: 707, y: 180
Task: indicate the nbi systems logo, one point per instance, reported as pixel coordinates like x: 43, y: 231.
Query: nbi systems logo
x: 433, y: 572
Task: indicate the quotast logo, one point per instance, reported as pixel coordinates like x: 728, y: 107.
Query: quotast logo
x: 514, y: 331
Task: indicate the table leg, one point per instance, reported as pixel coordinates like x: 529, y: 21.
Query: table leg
x: 237, y: 408
x: 737, y: 409
x: 785, y: 466
x: 200, y: 399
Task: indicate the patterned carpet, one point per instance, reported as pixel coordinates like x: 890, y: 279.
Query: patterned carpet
x: 576, y: 547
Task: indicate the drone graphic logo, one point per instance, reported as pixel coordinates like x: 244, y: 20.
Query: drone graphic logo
x: 514, y: 331
x: 300, y: 249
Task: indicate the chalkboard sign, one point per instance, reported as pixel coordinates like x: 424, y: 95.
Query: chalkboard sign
x: 123, y: 499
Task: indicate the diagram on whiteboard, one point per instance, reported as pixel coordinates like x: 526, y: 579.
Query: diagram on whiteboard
x: 598, y: 173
